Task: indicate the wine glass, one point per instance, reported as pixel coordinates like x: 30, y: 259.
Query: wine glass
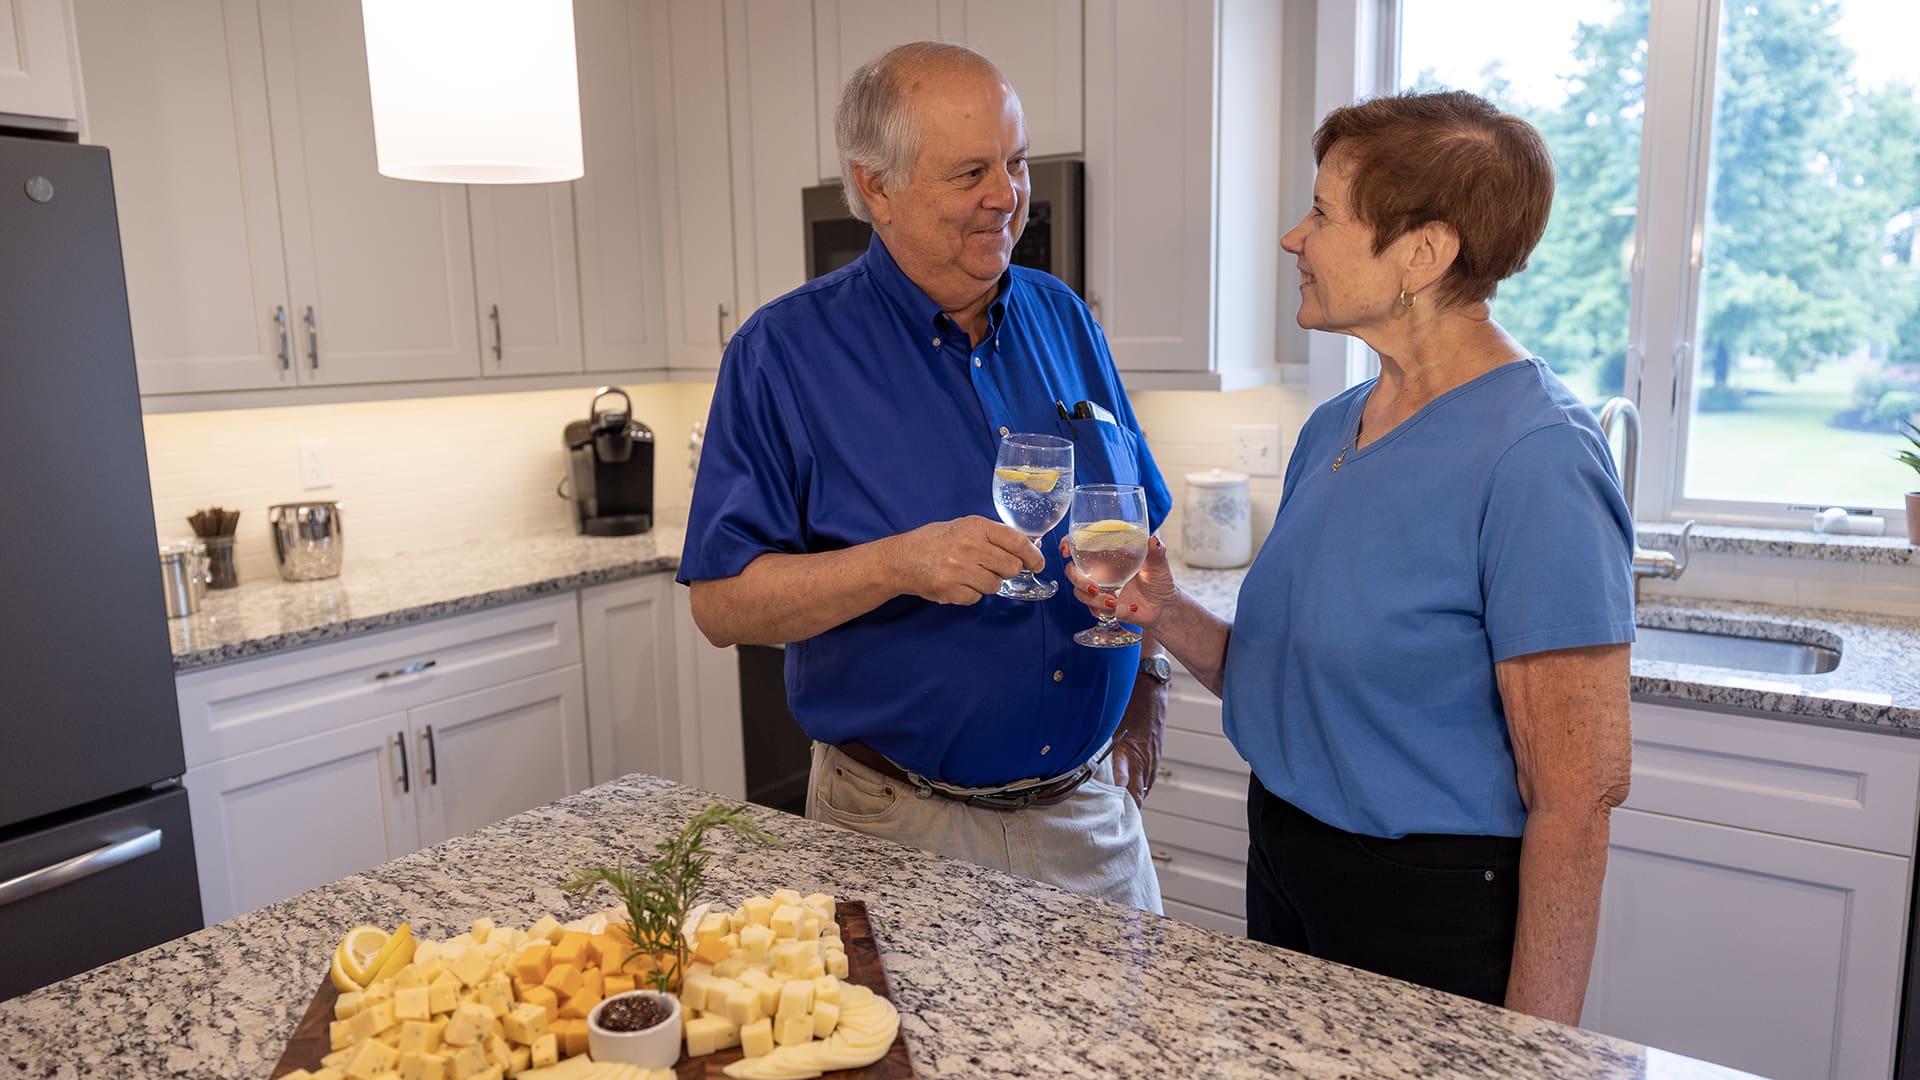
x: 1032, y: 483
x: 1109, y: 537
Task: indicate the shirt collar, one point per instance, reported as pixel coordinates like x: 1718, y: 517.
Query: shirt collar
x: 919, y: 308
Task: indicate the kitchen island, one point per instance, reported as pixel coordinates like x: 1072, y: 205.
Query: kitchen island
x: 993, y: 975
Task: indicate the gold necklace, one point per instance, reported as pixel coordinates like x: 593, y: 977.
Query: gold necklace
x: 1342, y: 459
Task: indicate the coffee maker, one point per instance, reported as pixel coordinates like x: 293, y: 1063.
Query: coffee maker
x: 610, y: 468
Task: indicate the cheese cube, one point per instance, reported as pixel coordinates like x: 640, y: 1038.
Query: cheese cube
x: 738, y: 1003
x: 579, y: 1005
x: 496, y: 993
x: 614, y: 950
x: 468, y: 1026
x: 498, y: 1052
x: 729, y: 968
x: 425, y: 950
x: 756, y: 1039
x: 372, y: 1059
x: 592, y: 980
x: 713, y: 950
x: 443, y: 994
x: 548, y: 929
x: 525, y: 1023
x: 825, y: 1016
x: 544, y: 997
x: 380, y: 991
x: 712, y: 925
x: 337, y: 1060
x: 411, y: 1003
x: 533, y: 962
x: 785, y: 922
x: 466, y: 1062
x: 789, y: 956
x: 573, y: 1036
x: 796, y: 999
x: 482, y: 930
x: 363, y: 1026
x: 786, y: 896
x: 764, y: 985
x: 472, y: 966
x: 820, y: 902
x: 546, y: 1048
x: 565, y: 980
x: 617, y: 984
x: 793, y: 1030
x: 737, y: 919
x: 836, y: 966
x: 382, y: 1014
x: 329, y: 1073
x: 693, y: 991
x: 339, y: 1035
x: 826, y: 988
x: 492, y: 1072
x: 809, y: 928
x: 829, y: 931
x: 522, y: 1061
x: 429, y: 970
x: 407, y: 978
x: 755, y: 941
x: 705, y: 1034
x: 348, y: 1004
x: 416, y: 1037
x: 759, y: 910
x: 423, y: 1067
x: 571, y: 949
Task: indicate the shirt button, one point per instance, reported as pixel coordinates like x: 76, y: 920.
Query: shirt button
x: 936, y: 343
x: 976, y: 361
x: 1059, y: 675
x: 1046, y: 748
x: 1003, y: 432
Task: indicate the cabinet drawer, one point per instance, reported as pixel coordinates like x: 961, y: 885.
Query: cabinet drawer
x: 1199, y: 879
x: 245, y: 706
x: 1190, y: 706
x: 1200, y: 916
x: 1857, y: 788
x: 1201, y: 777
x: 1227, y: 842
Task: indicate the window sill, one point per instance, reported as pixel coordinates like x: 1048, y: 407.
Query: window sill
x: 1782, y: 543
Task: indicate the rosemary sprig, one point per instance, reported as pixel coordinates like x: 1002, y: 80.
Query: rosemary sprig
x: 658, y: 893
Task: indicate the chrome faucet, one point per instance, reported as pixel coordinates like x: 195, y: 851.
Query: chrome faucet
x: 1666, y: 564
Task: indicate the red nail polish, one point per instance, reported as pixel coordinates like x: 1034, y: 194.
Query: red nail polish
x: 1133, y: 607
x: 1109, y: 603
x: 1091, y: 589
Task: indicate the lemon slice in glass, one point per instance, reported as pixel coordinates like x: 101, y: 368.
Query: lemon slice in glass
x: 1041, y: 480
x: 1108, y: 525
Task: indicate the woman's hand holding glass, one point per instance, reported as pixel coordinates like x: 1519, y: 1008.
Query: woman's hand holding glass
x: 1141, y: 601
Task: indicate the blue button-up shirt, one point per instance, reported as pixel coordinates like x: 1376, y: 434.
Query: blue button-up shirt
x: 854, y: 409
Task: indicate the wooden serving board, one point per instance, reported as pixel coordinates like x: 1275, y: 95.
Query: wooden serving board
x: 310, y: 1040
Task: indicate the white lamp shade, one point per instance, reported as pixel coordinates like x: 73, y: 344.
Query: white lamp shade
x: 474, y: 91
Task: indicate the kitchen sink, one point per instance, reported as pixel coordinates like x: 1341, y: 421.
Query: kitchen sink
x: 1710, y: 649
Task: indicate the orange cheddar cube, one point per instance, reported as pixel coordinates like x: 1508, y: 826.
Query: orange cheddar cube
x: 573, y: 1036
x: 579, y: 1005
x: 572, y: 949
x: 712, y: 951
x: 613, y: 950
x: 564, y: 979
x: 617, y: 984
x: 533, y: 963
x: 591, y: 981
x: 544, y: 997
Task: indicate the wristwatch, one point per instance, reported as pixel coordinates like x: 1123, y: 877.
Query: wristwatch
x: 1157, y: 667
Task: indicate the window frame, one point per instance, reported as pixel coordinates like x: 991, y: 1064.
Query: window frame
x: 1358, y: 52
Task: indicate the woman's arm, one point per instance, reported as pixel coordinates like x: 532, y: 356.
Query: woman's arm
x: 1567, y: 716
x: 1195, y: 636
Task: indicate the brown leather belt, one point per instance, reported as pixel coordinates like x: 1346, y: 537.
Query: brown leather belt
x: 1012, y: 798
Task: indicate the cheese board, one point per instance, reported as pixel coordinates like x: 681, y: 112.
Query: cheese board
x: 310, y: 1041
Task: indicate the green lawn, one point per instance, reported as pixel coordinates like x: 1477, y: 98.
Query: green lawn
x: 1779, y: 448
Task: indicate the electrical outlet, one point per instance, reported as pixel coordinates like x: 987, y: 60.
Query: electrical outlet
x: 1256, y: 449
x: 316, y: 471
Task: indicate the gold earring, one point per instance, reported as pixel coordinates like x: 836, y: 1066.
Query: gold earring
x: 1406, y: 301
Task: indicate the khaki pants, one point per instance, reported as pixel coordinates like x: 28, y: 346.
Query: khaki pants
x: 1093, y: 843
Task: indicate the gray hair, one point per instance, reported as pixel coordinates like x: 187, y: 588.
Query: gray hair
x: 874, y: 126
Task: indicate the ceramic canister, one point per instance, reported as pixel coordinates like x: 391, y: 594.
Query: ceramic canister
x: 1215, y: 528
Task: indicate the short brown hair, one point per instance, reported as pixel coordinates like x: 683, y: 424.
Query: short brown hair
x: 1450, y: 158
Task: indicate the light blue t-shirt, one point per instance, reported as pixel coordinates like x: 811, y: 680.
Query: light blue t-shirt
x: 1360, y: 675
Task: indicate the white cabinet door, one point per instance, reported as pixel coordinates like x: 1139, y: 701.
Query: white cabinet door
x: 626, y: 637
x: 489, y: 755
x: 1036, y: 44
x: 36, y: 71
x: 696, y: 192
x: 179, y: 94
x: 526, y: 278
x: 1771, y: 954
x: 381, y: 270
x: 617, y: 202
x: 276, y: 822
x: 848, y: 33
x: 771, y: 110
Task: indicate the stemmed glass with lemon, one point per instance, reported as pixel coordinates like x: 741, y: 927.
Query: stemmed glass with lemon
x: 1032, y: 486
x: 1109, y: 537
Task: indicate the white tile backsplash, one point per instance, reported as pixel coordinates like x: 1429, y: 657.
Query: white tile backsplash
x: 1192, y: 431
x: 410, y: 474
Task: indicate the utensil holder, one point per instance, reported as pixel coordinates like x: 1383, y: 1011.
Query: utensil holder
x: 220, y: 568
x: 307, y: 539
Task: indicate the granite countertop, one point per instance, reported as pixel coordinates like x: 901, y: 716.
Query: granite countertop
x: 993, y: 975
x: 1877, y: 683
x: 395, y: 590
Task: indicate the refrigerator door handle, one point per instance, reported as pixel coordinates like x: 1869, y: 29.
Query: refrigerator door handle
x: 35, y: 882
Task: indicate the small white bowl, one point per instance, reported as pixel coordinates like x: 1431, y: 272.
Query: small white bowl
x: 657, y: 1047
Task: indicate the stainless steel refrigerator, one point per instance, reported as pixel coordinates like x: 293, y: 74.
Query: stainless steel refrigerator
x: 96, y: 850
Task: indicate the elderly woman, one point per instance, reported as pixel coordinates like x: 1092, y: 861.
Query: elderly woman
x: 1428, y: 673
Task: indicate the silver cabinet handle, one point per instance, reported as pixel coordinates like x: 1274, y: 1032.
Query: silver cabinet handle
x: 280, y: 320
x: 35, y: 882
x: 1163, y: 772
x: 494, y: 314
x: 406, y: 774
x: 720, y: 322
x: 414, y: 668
x: 433, y: 759
x: 1158, y: 856
x: 313, y: 340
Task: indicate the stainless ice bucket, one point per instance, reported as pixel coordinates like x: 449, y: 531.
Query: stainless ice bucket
x: 307, y: 539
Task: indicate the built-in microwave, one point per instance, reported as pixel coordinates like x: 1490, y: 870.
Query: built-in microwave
x: 1054, y: 240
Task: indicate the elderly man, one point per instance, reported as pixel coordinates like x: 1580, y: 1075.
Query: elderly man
x: 844, y: 505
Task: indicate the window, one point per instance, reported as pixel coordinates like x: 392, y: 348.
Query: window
x: 1735, y: 241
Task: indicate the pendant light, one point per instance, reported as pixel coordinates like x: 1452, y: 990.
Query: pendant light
x: 474, y: 91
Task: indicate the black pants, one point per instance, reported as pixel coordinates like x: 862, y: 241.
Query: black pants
x: 1432, y: 909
